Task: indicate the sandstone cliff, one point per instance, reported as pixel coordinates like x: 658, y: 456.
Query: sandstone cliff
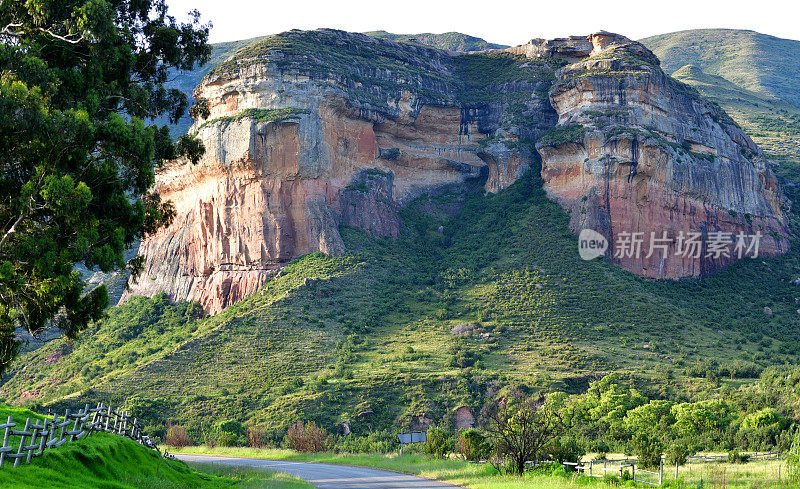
x: 635, y: 151
x: 312, y: 130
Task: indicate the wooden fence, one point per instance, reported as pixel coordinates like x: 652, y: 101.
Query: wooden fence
x: 39, y: 435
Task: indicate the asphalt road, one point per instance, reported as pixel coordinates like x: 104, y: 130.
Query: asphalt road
x: 328, y: 476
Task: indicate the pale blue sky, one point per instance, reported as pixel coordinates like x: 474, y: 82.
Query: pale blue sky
x: 505, y: 22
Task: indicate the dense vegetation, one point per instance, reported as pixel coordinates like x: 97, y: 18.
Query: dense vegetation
x: 77, y: 82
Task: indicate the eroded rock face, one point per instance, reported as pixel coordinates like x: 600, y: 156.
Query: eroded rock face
x: 637, y: 152
x: 350, y: 153
x: 313, y: 130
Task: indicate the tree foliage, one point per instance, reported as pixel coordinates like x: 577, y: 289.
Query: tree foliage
x: 78, y: 80
x: 521, y: 429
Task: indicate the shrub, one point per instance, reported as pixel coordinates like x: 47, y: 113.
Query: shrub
x: 735, y: 457
x: 473, y: 445
x: 226, y: 439
x: 306, y: 437
x: 565, y: 449
x: 677, y: 453
x: 177, y: 437
x: 437, y: 443
x: 648, y: 449
x: 257, y: 437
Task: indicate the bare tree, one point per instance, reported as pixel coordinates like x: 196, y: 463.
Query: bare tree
x: 521, y: 430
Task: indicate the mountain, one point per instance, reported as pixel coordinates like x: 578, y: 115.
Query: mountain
x: 451, y: 275
x: 298, y: 145
x: 760, y: 63
x: 450, y: 41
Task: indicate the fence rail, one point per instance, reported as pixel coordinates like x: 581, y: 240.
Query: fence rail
x: 42, y: 434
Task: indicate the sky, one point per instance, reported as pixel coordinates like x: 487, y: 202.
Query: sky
x: 504, y: 22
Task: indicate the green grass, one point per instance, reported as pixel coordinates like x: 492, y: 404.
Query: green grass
x: 453, y: 471
x: 761, y: 474
x: 108, y: 461
x: 115, y: 462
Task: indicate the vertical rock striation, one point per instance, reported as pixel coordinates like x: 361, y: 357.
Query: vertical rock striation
x: 311, y: 130
x: 636, y: 151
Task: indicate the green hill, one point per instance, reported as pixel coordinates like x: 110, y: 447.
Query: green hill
x: 763, y: 64
x: 452, y: 41
x: 424, y: 324
x: 753, y: 77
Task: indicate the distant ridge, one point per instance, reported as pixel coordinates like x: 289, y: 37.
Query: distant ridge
x: 451, y: 41
x: 760, y: 63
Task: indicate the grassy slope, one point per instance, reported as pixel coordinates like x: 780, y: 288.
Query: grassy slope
x: 332, y: 336
x: 757, y: 62
x: 114, y: 462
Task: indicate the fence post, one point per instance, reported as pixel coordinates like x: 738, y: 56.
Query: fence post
x: 33, y: 442
x: 633, y: 471
x: 22, y: 442
x: 108, y: 417
x: 9, y: 424
x: 43, y: 436
x: 661, y: 472
x: 591, y: 464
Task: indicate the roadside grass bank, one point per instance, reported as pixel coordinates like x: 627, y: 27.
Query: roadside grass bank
x: 108, y: 461
x: 751, y: 475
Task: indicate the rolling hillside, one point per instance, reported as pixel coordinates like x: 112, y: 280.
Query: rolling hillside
x: 763, y: 64
x: 753, y: 77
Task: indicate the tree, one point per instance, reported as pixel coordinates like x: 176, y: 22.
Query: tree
x: 520, y: 430
x: 78, y: 78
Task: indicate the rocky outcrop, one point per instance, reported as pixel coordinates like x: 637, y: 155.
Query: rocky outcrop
x: 312, y: 130
x: 309, y: 131
x: 635, y: 151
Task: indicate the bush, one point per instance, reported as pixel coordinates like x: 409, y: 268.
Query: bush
x: 226, y: 439
x: 648, y: 449
x: 377, y: 442
x: 307, y: 437
x: 257, y: 437
x: 437, y: 443
x: 177, y: 437
x: 734, y: 457
x: 677, y: 453
x: 565, y: 449
x: 473, y: 445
